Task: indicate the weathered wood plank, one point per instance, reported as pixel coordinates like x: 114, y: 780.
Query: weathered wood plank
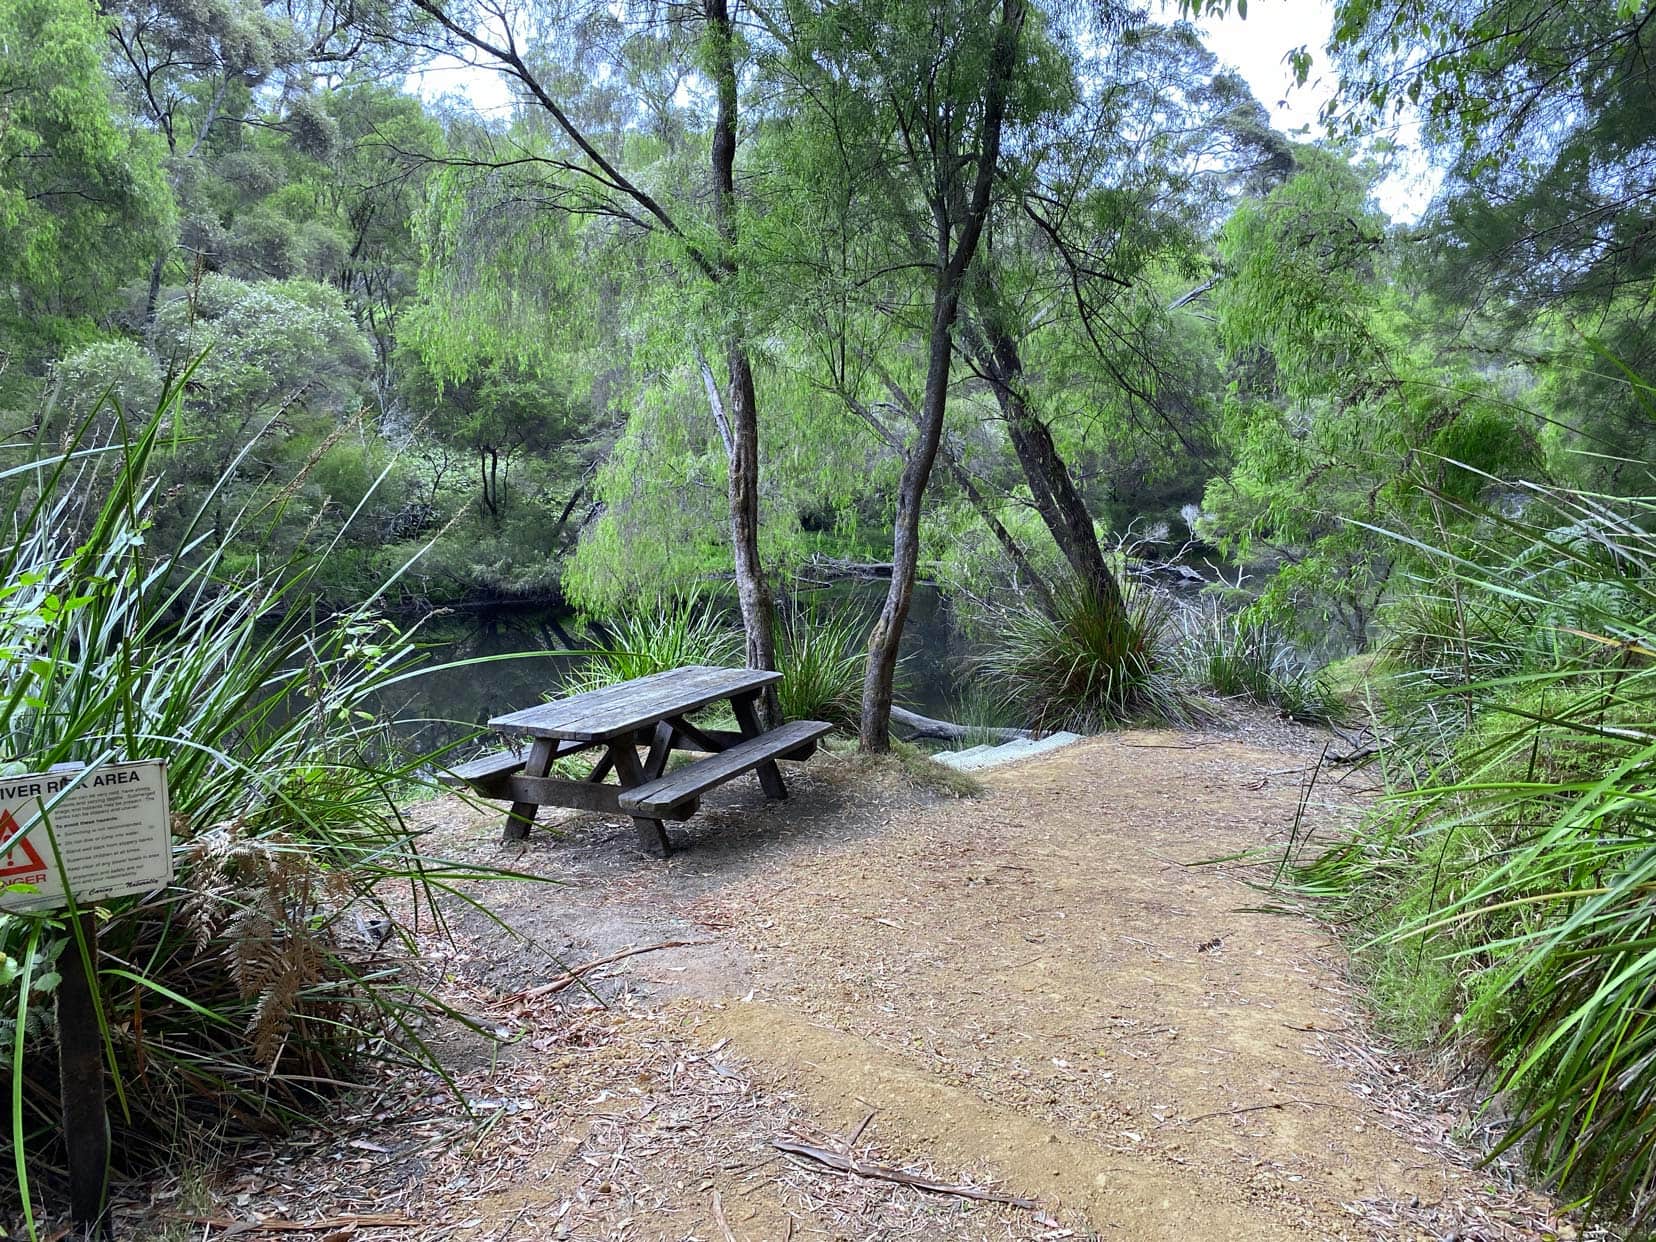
x: 652, y: 834
x: 498, y: 763
x: 695, y: 740
x: 600, y: 714
x: 541, y: 791
x: 661, y: 745
x: 557, y: 791
x: 660, y: 796
x: 522, y: 812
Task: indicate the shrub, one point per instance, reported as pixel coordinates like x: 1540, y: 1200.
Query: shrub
x: 1087, y: 663
x: 258, y: 987
x: 822, y: 660
x: 984, y: 714
x: 1517, y: 872
x: 1237, y: 656
x: 671, y: 632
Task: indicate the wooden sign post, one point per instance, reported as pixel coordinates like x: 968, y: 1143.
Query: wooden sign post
x: 71, y: 839
x: 80, y: 1065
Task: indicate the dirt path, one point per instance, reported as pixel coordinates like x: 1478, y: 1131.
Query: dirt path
x: 1028, y: 992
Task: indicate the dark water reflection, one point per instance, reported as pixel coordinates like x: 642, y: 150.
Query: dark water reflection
x: 448, y: 703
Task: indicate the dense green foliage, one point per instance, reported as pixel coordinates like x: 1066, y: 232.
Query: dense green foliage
x: 781, y: 292
x: 1506, y: 881
x: 272, y: 966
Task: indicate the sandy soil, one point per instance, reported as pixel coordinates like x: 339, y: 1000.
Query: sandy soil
x: 1034, y: 993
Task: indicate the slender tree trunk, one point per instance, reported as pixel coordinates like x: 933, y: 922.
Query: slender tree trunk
x: 966, y: 230
x: 741, y: 405
x: 152, y: 297
x: 963, y: 477
x: 1009, y: 545
x: 719, y: 267
x: 879, y: 682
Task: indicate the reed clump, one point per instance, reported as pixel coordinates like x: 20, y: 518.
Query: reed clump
x: 274, y: 970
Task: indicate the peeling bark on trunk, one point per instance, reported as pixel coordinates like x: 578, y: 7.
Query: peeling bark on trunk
x: 752, y: 590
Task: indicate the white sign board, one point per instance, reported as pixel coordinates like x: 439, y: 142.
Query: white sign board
x: 113, y: 833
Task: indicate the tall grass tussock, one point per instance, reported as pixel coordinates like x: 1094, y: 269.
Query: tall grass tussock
x: 1505, y: 886
x: 1237, y: 656
x: 272, y: 970
x: 665, y: 633
x: 819, y: 653
x: 1085, y: 664
x: 822, y: 656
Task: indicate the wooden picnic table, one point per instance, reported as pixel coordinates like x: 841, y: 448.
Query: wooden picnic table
x: 649, y: 713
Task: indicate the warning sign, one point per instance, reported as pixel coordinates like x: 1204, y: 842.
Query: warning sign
x: 22, y: 862
x: 111, y: 826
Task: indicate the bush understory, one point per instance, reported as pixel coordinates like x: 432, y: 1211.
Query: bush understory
x: 271, y: 971
x: 1236, y: 656
x: 1502, y: 890
x: 1089, y: 661
x: 819, y: 653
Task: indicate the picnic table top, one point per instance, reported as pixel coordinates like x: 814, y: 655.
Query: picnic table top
x: 597, y: 715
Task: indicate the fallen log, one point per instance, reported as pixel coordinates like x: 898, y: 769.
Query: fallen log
x: 919, y: 726
x: 834, y: 567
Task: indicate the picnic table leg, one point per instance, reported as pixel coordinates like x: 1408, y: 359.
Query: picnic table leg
x: 661, y: 746
x: 652, y: 833
x: 522, y: 814
x: 747, y: 718
x: 601, y: 769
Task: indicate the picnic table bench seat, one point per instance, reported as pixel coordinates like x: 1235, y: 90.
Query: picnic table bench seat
x: 484, y: 769
x: 662, y: 796
x: 486, y: 772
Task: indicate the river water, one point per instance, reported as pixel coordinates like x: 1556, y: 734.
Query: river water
x: 529, y: 651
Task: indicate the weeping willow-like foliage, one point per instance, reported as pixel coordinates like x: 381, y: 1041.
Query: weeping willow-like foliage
x: 1343, y: 414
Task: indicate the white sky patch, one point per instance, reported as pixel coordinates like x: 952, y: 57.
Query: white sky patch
x: 484, y: 91
x: 1258, y: 49
x: 481, y: 90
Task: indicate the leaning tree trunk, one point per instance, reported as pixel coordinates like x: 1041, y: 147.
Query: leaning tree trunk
x: 979, y: 502
x: 742, y: 407
x: 1057, y: 499
x: 879, y: 681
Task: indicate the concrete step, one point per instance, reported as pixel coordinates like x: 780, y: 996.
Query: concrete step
x: 980, y: 757
x: 955, y: 758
